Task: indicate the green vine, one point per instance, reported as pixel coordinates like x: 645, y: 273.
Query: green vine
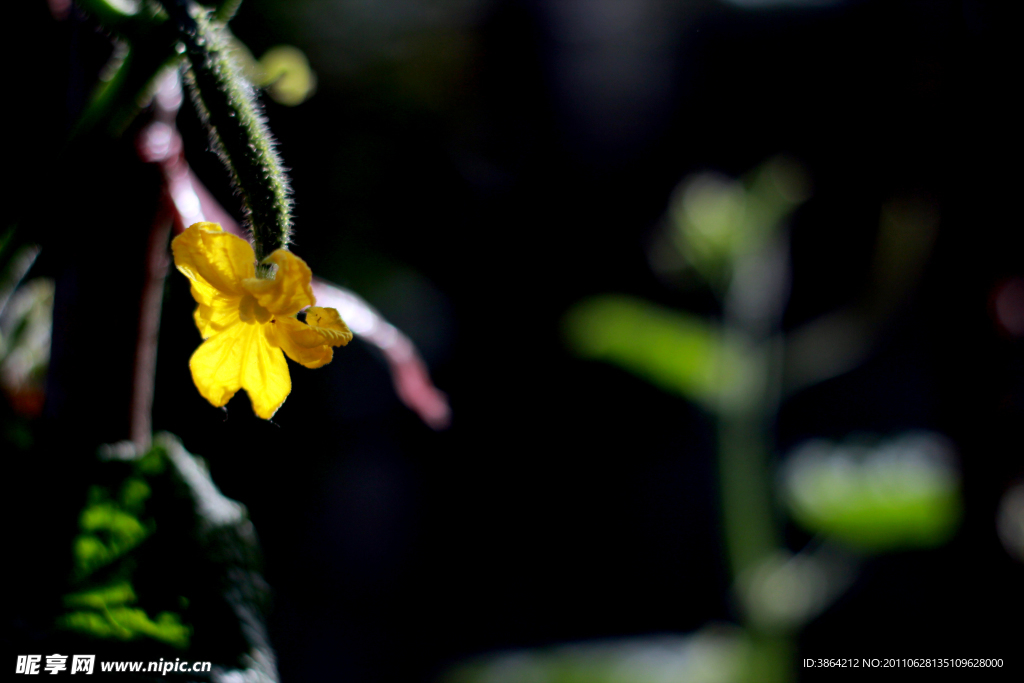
x: 238, y: 131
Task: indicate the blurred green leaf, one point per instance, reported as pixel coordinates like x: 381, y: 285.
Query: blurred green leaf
x: 679, y: 352
x: 708, y: 213
x: 107, y: 534
x: 204, y: 560
x: 121, y: 525
x: 287, y: 75
x: 900, y: 494
x: 283, y: 71
x: 710, y: 656
x: 115, y: 594
x: 716, y: 219
x: 111, y: 527
x: 128, y: 623
x: 134, y: 494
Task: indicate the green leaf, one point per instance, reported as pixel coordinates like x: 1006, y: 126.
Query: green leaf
x: 111, y: 527
x: 900, y: 494
x: 678, y: 352
x: 103, y: 613
x: 107, y: 534
x: 115, y: 594
x: 717, y: 219
x: 134, y: 494
x: 287, y: 75
x: 128, y: 623
x: 714, y: 655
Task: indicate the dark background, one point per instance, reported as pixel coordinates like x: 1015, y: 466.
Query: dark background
x: 473, y: 169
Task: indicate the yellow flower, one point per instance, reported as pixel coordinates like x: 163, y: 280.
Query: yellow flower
x: 249, y: 323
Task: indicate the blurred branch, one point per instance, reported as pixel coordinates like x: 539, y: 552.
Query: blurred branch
x: 118, y: 100
x: 744, y: 425
x: 14, y: 271
x: 408, y: 371
x: 144, y: 44
x: 750, y: 523
x: 150, y: 306
x: 839, y: 341
x: 160, y: 144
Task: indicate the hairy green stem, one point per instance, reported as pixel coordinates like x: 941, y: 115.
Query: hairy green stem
x: 237, y: 128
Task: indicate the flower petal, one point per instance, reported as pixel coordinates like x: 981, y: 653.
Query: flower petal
x: 310, y: 343
x: 290, y: 290
x: 265, y: 374
x: 219, y: 314
x: 215, y: 261
x: 240, y: 357
x: 217, y: 364
x: 302, y: 344
x: 328, y: 323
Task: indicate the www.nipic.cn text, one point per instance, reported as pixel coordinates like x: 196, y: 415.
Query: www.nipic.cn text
x: 86, y: 664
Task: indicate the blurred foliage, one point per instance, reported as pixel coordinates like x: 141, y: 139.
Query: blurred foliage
x: 785, y: 590
x: 160, y: 549
x: 710, y: 656
x: 106, y: 615
x: 714, y: 219
x: 143, y: 46
x: 112, y: 524
x: 284, y: 71
x: 110, y: 528
x: 840, y: 340
x: 287, y: 75
x: 680, y: 352
x: 26, y: 324
x: 902, y: 493
x: 1010, y: 521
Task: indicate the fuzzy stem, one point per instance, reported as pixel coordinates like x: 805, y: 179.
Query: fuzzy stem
x: 237, y: 128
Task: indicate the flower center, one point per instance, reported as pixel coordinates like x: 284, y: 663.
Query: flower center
x: 251, y: 312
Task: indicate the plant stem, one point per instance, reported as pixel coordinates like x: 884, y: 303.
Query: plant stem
x: 750, y: 525
x: 748, y: 516
x: 238, y: 131
x: 144, y: 372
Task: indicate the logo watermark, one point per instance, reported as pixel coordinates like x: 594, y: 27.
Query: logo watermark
x: 33, y: 665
